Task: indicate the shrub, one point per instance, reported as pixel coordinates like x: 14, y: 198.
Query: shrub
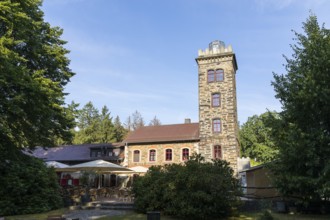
x: 193, y: 190
x: 27, y: 186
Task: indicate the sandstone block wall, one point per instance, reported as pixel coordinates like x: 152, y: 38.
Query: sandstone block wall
x: 160, y: 153
x: 227, y: 112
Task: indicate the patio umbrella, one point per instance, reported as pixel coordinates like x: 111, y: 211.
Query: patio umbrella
x: 99, y: 166
x: 56, y: 164
x: 139, y: 169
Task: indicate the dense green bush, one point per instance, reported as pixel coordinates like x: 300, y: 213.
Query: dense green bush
x: 27, y: 186
x: 193, y: 190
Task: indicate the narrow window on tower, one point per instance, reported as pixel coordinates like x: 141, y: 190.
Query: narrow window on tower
x: 210, y: 76
x: 217, y: 152
x: 152, y: 155
x: 216, y: 100
x: 219, y: 75
x: 216, y: 124
x: 168, y: 154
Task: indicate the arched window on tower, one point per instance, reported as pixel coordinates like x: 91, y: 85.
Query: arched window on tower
x: 215, y: 76
x: 216, y: 125
x: 210, y: 76
x: 215, y: 99
x: 217, y: 152
x: 219, y: 75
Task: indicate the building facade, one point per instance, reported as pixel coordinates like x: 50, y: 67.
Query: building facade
x: 217, y: 128
x: 215, y: 136
x: 217, y: 103
x: 159, y: 145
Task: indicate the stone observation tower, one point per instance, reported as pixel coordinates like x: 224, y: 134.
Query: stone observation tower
x: 218, y: 127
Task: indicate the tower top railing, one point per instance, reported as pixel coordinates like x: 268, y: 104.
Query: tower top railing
x: 215, y: 47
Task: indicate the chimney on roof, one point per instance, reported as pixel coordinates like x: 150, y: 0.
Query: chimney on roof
x: 187, y: 121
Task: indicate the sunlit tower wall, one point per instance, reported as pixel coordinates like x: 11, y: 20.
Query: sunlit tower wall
x: 218, y: 124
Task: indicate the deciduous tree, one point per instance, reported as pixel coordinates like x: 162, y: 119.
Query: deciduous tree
x: 255, y: 138
x: 303, y: 133
x: 34, y: 70
x: 155, y: 121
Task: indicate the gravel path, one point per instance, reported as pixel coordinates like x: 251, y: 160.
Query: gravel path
x: 93, y: 214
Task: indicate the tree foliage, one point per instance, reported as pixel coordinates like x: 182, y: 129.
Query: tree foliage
x: 134, y: 121
x: 96, y: 127
x: 33, y: 73
x: 155, y: 122
x: 27, y: 186
x: 194, y: 190
x: 303, y: 133
x: 255, y: 138
x: 120, y: 131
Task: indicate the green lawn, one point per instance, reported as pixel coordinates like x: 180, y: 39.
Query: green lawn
x: 40, y: 216
x: 137, y: 216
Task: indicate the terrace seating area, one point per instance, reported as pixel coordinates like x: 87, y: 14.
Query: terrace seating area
x: 77, y: 195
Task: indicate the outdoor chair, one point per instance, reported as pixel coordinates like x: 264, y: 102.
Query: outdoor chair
x: 93, y: 194
x: 108, y: 192
x: 101, y: 192
x: 125, y: 195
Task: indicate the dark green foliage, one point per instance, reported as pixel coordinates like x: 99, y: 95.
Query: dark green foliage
x: 266, y: 215
x: 255, y: 138
x: 194, y: 190
x: 34, y: 71
x: 27, y: 185
x: 96, y: 127
x: 119, y: 130
x: 303, y: 133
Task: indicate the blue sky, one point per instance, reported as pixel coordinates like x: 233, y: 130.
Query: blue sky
x: 140, y: 54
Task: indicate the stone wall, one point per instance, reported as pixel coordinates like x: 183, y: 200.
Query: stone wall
x: 222, y: 58
x: 160, y: 153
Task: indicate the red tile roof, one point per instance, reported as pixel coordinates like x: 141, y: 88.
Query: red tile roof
x: 164, y: 133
